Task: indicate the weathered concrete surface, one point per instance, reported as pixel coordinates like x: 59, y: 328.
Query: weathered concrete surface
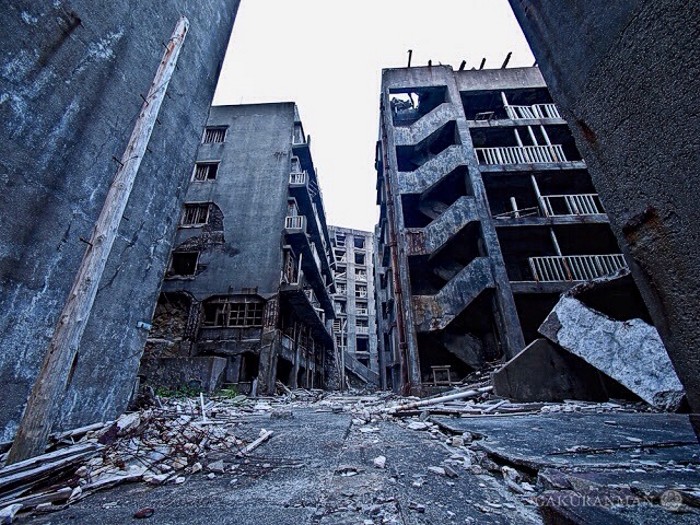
x: 435, y: 312
x: 303, y: 475
x: 206, y: 373
x: 71, y: 76
x: 586, y: 440
x: 543, y: 372
x: 626, y: 74
x: 631, y: 352
x: 445, y: 226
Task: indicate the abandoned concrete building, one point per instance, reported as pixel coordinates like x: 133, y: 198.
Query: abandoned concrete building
x: 73, y: 77
x: 487, y: 215
x: 247, y: 294
x: 354, y: 327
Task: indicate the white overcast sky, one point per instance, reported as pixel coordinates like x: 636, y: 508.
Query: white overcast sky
x: 327, y: 56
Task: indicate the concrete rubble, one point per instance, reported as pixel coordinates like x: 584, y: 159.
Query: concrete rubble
x: 629, y: 351
x: 462, y: 456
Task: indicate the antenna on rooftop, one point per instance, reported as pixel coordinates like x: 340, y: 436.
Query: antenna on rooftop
x: 483, y: 63
x: 505, y: 62
x: 463, y: 65
x: 410, y: 54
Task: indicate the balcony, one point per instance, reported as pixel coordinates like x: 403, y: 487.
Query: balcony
x: 307, y: 307
x: 298, y: 178
x: 295, y: 231
x: 521, y: 155
x: 569, y: 268
x: 536, y: 111
x: 362, y: 311
x: 362, y: 277
x: 571, y: 205
x: 362, y: 330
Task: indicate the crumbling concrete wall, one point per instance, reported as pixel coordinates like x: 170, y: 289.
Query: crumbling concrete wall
x: 202, y: 373
x: 625, y: 75
x: 72, y: 74
x: 630, y: 352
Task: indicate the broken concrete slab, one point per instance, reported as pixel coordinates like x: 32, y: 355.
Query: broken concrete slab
x: 205, y: 373
x: 623, y: 440
x: 630, y: 352
x: 545, y: 372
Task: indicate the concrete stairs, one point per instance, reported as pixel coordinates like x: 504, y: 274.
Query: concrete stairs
x: 446, y: 224
x: 359, y: 370
x: 426, y: 125
x: 432, y: 171
x: 436, y: 312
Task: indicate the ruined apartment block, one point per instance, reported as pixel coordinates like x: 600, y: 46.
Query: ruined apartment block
x: 355, y: 327
x: 247, y: 295
x: 487, y: 215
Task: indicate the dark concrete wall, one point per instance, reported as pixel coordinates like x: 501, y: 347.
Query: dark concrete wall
x: 72, y: 73
x: 626, y: 76
x: 251, y: 190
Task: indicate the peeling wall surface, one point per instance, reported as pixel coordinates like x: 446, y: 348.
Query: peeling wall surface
x: 72, y: 74
x: 626, y: 74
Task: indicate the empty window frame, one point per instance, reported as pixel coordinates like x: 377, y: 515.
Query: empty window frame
x: 340, y: 240
x: 204, y: 171
x: 224, y: 314
x: 183, y: 264
x: 359, y: 242
x: 214, y: 134
x: 360, y: 291
x: 361, y: 274
x: 360, y: 258
x: 195, y: 214
x: 298, y: 136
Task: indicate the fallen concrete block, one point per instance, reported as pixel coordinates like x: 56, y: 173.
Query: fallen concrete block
x: 630, y: 352
x: 544, y: 372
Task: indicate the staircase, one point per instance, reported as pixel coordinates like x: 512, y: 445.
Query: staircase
x: 359, y: 370
x: 436, y: 312
x: 432, y: 171
x: 426, y: 125
x: 447, y: 222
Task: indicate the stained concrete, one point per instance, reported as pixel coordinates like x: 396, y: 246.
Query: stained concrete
x: 630, y: 352
x: 625, y: 73
x: 72, y: 73
x: 204, y: 372
x: 545, y: 372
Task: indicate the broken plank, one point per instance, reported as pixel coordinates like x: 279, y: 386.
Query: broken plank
x: 255, y: 444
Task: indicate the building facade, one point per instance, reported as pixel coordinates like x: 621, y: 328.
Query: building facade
x: 72, y: 81
x: 487, y: 214
x: 250, y: 277
x: 626, y: 78
x: 354, y: 327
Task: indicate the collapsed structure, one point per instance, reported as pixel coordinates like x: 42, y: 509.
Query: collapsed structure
x: 488, y: 215
x: 355, y: 328
x: 247, y: 294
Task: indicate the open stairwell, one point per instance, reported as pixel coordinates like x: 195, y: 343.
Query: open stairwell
x: 359, y: 370
x: 432, y: 171
x: 436, y: 312
x: 426, y: 125
x: 447, y: 222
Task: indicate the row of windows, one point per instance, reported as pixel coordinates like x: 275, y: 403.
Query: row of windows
x: 228, y: 314
x: 358, y: 242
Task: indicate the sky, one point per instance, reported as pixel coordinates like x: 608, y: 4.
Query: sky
x: 327, y: 56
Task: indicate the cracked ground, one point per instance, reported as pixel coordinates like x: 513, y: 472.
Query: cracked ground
x: 318, y: 469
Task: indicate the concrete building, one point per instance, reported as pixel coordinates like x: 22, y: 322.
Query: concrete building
x: 354, y: 328
x: 72, y: 77
x: 488, y: 214
x: 625, y: 74
x: 249, y: 282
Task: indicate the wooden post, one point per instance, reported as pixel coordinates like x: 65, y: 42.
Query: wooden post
x: 47, y: 393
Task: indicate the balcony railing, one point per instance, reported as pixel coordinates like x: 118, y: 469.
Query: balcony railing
x: 521, y: 154
x: 565, y: 205
x: 297, y: 177
x: 294, y: 222
x: 575, y: 267
x: 361, y: 294
x: 361, y: 277
x: 361, y: 311
x: 362, y: 330
x: 536, y: 111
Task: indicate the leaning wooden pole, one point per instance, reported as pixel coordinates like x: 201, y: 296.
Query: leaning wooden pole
x: 43, y: 403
